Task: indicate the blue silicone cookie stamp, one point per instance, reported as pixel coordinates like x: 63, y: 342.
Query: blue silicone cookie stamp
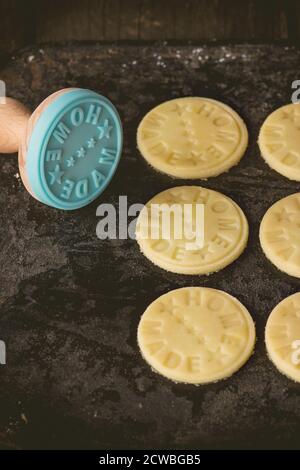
x: 74, y: 149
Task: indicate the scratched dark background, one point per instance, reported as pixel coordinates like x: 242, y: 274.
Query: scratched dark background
x: 39, y: 21
x: 70, y: 303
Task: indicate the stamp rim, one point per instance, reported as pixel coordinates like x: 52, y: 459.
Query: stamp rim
x: 37, y: 146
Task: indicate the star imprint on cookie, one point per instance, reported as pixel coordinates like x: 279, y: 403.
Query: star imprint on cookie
x: 291, y: 116
x: 283, y: 215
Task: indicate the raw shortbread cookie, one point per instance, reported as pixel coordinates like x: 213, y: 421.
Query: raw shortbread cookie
x: 280, y: 234
x: 279, y: 141
x: 282, y: 336
x: 196, y: 335
x: 225, y: 231
x: 192, y: 137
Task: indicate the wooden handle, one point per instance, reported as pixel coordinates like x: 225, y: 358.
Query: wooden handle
x: 13, y: 120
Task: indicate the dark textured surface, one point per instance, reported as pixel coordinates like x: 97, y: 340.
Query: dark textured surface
x: 70, y: 303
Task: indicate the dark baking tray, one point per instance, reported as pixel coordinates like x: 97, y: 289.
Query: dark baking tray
x: 70, y: 303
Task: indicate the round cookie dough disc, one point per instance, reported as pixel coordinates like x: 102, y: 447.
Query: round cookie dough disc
x: 279, y: 234
x: 196, y: 335
x: 282, y: 336
x: 192, y: 137
x: 225, y: 232
x: 279, y: 141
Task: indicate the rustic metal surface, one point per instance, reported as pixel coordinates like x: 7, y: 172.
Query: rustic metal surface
x: 70, y: 303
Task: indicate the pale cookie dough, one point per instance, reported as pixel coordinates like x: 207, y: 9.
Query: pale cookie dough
x: 192, y: 137
x: 196, y: 335
x: 280, y: 234
x: 279, y: 141
x: 282, y: 336
x: 225, y: 232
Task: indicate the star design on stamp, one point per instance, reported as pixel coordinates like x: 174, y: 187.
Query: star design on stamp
x: 70, y: 162
x: 283, y: 215
x: 104, y: 130
x: 91, y: 143
x: 81, y: 152
x: 56, y: 175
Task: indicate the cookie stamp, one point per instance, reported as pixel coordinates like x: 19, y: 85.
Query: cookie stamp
x: 282, y: 336
x: 192, y: 137
x: 279, y: 141
x: 225, y: 232
x: 69, y: 148
x: 196, y: 335
x: 280, y: 234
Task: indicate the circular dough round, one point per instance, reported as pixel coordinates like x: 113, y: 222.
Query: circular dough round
x: 280, y: 236
x: 279, y: 141
x: 196, y: 335
x: 225, y: 231
x: 192, y: 137
x: 282, y: 336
